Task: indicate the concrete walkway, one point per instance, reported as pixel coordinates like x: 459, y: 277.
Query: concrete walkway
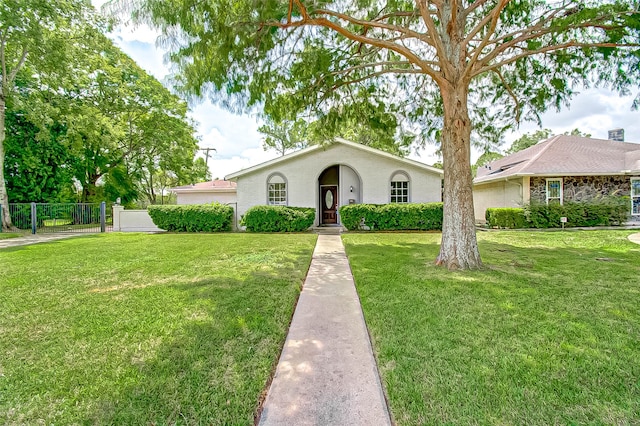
x: 635, y: 238
x: 327, y: 373
x: 34, y: 239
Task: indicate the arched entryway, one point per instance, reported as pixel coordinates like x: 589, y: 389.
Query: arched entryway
x: 338, y: 185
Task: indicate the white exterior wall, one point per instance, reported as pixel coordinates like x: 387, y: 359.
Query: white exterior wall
x: 132, y: 221
x: 372, y: 186
x: 205, y: 197
x: 498, y: 194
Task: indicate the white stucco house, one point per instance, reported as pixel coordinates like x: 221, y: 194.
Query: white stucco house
x: 326, y: 177
x: 221, y: 191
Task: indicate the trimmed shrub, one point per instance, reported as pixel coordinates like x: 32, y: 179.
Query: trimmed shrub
x: 393, y: 217
x: 213, y: 217
x: 506, y: 217
x: 603, y: 211
x: 278, y: 219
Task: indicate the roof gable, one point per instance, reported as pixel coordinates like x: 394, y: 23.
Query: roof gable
x: 310, y: 150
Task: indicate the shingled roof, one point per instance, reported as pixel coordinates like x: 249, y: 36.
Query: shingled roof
x: 211, y: 186
x: 566, y: 155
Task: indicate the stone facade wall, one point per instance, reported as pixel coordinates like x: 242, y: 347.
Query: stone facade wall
x: 582, y: 188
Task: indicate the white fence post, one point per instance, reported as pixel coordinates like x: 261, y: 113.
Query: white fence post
x: 116, y: 217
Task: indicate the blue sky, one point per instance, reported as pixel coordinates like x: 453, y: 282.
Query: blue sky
x: 239, y: 144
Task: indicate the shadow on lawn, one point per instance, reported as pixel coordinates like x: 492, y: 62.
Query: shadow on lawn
x: 212, y: 369
x: 547, y: 334
x: 503, y: 263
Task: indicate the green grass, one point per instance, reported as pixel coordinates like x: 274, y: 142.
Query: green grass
x: 548, y: 333
x: 145, y: 329
x: 6, y: 235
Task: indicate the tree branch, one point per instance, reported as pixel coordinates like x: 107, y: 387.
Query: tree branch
x: 376, y: 74
x: 476, y: 4
x: 537, y: 31
x: 548, y: 49
x: 369, y: 65
x: 480, y: 25
x: 425, y: 12
x: 491, y: 19
x: 19, y: 65
x: 324, y: 22
x: 375, y: 24
x: 511, y: 93
x: 3, y: 45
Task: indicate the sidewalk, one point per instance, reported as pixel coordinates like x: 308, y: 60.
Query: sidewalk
x: 34, y: 239
x: 327, y: 373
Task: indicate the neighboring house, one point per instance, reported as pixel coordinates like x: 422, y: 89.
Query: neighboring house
x: 221, y: 191
x: 559, y: 169
x: 329, y: 176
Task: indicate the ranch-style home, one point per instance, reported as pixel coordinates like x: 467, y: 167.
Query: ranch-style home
x: 327, y: 177
x: 559, y: 169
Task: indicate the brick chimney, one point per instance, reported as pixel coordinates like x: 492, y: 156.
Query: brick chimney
x: 616, y: 135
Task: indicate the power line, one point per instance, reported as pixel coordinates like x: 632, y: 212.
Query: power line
x: 206, y: 158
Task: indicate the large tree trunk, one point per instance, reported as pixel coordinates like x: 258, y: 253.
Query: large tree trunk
x: 4, y: 197
x: 459, y: 247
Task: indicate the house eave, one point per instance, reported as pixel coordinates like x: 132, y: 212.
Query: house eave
x: 204, y: 190
x: 548, y: 175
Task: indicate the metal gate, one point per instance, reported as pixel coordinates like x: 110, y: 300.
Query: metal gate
x: 49, y: 218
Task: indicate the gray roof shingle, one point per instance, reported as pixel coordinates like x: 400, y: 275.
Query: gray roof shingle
x: 566, y: 155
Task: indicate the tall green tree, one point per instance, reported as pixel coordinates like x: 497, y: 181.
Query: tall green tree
x: 364, y: 122
x: 486, y: 158
x: 36, y: 36
x: 36, y: 162
x: 123, y: 125
x: 285, y: 135
x: 450, y: 68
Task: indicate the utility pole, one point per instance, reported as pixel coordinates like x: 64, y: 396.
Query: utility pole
x: 206, y: 158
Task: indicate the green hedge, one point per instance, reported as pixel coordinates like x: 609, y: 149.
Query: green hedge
x: 512, y: 218
x: 392, y: 217
x: 604, y: 211
x: 213, y: 217
x: 278, y: 219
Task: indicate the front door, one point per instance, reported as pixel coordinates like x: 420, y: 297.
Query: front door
x: 329, y: 202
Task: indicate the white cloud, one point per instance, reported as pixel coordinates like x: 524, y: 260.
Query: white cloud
x: 231, y: 134
x: 220, y: 167
x: 595, y: 111
x: 141, y: 33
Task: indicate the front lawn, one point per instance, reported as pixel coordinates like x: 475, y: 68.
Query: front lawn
x: 131, y: 329
x: 549, y: 333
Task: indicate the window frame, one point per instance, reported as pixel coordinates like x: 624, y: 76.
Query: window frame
x: 561, y: 197
x: 277, y: 196
x: 632, y: 195
x: 402, y: 185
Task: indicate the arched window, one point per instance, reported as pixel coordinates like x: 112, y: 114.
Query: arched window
x: 277, y: 190
x: 400, y: 187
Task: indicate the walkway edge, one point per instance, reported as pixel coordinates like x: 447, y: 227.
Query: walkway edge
x: 326, y: 374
